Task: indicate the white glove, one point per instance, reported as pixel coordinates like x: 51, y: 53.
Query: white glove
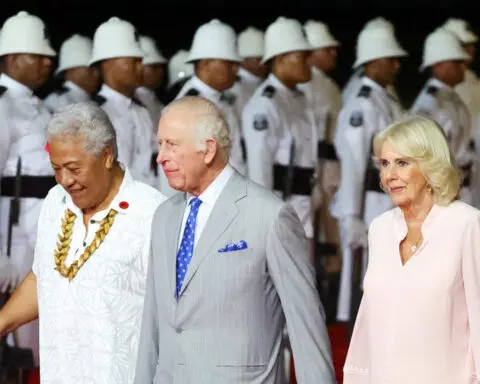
x: 355, y: 231
x: 9, y: 277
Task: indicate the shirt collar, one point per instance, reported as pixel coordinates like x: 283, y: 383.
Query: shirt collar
x: 439, y: 84
x: 210, y: 195
x: 248, y: 76
x: 400, y: 224
x: 121, y: 202
x: 205, y: 89
x: 15, y: 86
x: 75, y: 88
x: 318, y: 72
x: 110, y: 93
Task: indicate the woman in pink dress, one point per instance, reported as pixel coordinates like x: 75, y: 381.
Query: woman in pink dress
x: 419, y: 320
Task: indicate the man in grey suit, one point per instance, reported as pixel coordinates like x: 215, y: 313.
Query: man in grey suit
x: 229, y: 265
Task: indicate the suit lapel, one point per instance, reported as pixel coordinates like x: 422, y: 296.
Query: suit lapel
x: 222, y: 215
x: 174, y: 224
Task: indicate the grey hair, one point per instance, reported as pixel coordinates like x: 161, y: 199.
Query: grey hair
x: 85, y: 121
x: 210, y: 123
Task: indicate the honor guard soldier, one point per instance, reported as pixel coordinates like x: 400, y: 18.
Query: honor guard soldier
x: 117, y: 52
x: 469, y: 92
x: 445, y: 59
x: 278, y: 124
x: 359, y: 198
x: 469, y: 89
x: 153, y: 76
x: 215, y: 59
x: 354, y: 83
x: 27, y: 175
x: 324, y: 97
x: 81, y: 81
x: 251, y: 71
x: 179, y: 72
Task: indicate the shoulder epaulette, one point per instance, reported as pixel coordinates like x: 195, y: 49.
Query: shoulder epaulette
x: 3, y: 89
x: 365, y: 91
x: 432, y: 90
x: 269, y: 91
x: 100, y: 100
x: 228, y: 98
x: 138, y: 102
x: 192, y: 92
x: 61, y: 90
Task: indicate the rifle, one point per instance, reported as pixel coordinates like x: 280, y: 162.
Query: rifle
x: 288, y: 180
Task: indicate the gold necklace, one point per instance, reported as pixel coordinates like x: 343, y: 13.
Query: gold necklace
x: 63, y: 246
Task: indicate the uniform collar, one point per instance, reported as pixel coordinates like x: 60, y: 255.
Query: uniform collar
x: 75, y: 88
x: 15, y: 86
x: 111, y: 94
x: 144, y: 91
x: 275, y: 81
x: 121, y: 202
x: 318, y: 72
x: 248, y: 76
x: 204, y: 88
x: 439, y: 84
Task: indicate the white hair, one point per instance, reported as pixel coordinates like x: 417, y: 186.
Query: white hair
x: 85, y: 121
x: 209, y: 123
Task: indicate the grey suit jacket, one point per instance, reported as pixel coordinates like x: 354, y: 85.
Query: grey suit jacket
x: 226, y: 326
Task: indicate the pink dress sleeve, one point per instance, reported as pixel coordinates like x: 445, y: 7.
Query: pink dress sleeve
x: 471, y: 281
x: 356, y: 368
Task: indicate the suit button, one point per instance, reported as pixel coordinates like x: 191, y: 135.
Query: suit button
x: 179, y: 330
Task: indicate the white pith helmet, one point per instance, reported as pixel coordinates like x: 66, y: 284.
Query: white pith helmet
x: 462, y: 30
x: 442, y: 45
x: 25, y: 33
x: 318, y: 35
x: 151, y: 51
x: 75, y: 52
x: 283, y: 36
x: 178, y: 69
x: 115, y: 38
x: 251, y: 43
x: 376, y: 43
x: 214, y: 40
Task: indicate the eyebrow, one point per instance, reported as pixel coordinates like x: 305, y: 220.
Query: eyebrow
x: 66, y: 164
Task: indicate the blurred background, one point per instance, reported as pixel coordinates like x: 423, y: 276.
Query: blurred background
x: 173, y: 22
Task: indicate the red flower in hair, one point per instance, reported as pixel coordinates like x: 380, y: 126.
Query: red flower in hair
x: 47, y: 148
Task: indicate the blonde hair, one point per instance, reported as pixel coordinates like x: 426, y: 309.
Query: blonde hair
x: 423, y: 140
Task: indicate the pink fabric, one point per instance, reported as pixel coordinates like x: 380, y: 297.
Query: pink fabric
x: 419, y: 323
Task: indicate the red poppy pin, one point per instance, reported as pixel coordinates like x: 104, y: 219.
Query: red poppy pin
x: 123, y: 205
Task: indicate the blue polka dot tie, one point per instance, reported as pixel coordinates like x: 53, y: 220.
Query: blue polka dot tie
x: 185, y: 251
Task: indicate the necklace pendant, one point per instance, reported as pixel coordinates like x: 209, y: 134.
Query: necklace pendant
x: 413, y: 248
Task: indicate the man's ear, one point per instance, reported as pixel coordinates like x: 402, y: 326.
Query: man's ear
x: 211, y: 149
x: 107, y: 153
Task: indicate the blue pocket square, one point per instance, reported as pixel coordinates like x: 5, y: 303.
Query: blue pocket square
x: 230, y: 247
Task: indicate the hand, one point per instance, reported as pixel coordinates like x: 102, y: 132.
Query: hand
x: 9, y: 277
x: 356, y: 232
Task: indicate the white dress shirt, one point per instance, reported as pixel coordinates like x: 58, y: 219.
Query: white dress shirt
x: 208, y: 197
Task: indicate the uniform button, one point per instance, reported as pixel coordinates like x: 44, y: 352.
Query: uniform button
x: 92, y: 221
x: 84, y: 244
x: 179, y: 330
